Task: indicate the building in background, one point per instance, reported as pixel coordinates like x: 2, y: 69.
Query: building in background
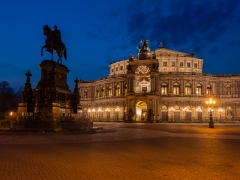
x: 162, y: 85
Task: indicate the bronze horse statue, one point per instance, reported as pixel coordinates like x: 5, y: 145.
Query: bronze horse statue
x: 53, y: 43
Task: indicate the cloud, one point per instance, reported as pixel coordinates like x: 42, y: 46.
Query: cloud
x: 182, y: 22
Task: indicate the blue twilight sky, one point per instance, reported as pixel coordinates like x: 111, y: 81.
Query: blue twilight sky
x: 97, y: 32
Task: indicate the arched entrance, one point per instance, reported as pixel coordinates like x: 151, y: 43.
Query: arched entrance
x: 141, y: 111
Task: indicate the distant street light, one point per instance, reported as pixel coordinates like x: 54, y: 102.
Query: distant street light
x: 210, y: 103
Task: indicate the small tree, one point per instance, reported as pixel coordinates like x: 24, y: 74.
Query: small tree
x: 8, y: 98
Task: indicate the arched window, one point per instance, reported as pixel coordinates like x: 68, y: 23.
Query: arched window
x: 199, y: 89
x: 209, y: 90
x: 102, y: 92
x: 176, y: 88
x: 176, y: 107
x: 109, y: 91
x: 228, y: 90
x: 164, y: 107
x: 85, y: 94
x: 188, y: 89
x: 125, y: 90
x: 117, y: 90
x: 97, y: 94
x: 164, y: 88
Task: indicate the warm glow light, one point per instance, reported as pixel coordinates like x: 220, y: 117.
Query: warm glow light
x: 89, y: 110
x: 99, y: 110
x: 210, y: 109
x: 107, y: 109
x: 199, y: 109
x: 211, y: 102
x: 185, y: 109
x: 11, y: 113
x: 172, y: 109
x: 93, y: 110
x: 138, y: 112
x: 117, y: 109
x: 220, y: 110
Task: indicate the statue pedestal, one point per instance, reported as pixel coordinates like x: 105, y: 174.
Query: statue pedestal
x: 51, y: 104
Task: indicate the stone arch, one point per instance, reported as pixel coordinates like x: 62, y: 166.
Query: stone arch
x: 141, y: 111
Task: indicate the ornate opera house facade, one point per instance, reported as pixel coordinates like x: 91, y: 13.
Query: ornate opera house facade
x: 160, y: 86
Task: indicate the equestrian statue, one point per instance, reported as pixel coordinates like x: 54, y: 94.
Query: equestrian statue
x: 54, y: 42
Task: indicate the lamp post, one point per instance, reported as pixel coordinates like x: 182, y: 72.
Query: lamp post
x: 171, y: 110
x: 220, y: 111
x: 210, y: 103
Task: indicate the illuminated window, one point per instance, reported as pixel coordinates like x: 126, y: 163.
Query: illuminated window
x: 164, y: 89
x: 176, y: 107
x: 109, y: 91
x: 144, y: 90
x: 209, y: 90
x: 102, y: 92
x: 176, y: 88
x: 125, y: 90
x: 164, y: 107
x: 165, y: 63
x: 188, y: 89
x: 98, y: 94
x: 199, y: 89
x: 85, y: 94
x: 117, y: 90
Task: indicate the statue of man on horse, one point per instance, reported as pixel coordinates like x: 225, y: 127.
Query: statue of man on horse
x: 54, y: 42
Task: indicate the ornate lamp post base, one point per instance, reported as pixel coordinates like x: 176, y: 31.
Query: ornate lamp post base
x: 211, y: 102
x: 211, y: 123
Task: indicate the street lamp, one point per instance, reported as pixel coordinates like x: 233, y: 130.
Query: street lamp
x: 220, y: 111
x: 210, y: 103
x: 171, y: 110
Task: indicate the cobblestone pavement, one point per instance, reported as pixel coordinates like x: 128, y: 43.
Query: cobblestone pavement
x: 124, y: 151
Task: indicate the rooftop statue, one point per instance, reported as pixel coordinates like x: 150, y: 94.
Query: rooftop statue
x: 54, y: 42
x: 145, y: 46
